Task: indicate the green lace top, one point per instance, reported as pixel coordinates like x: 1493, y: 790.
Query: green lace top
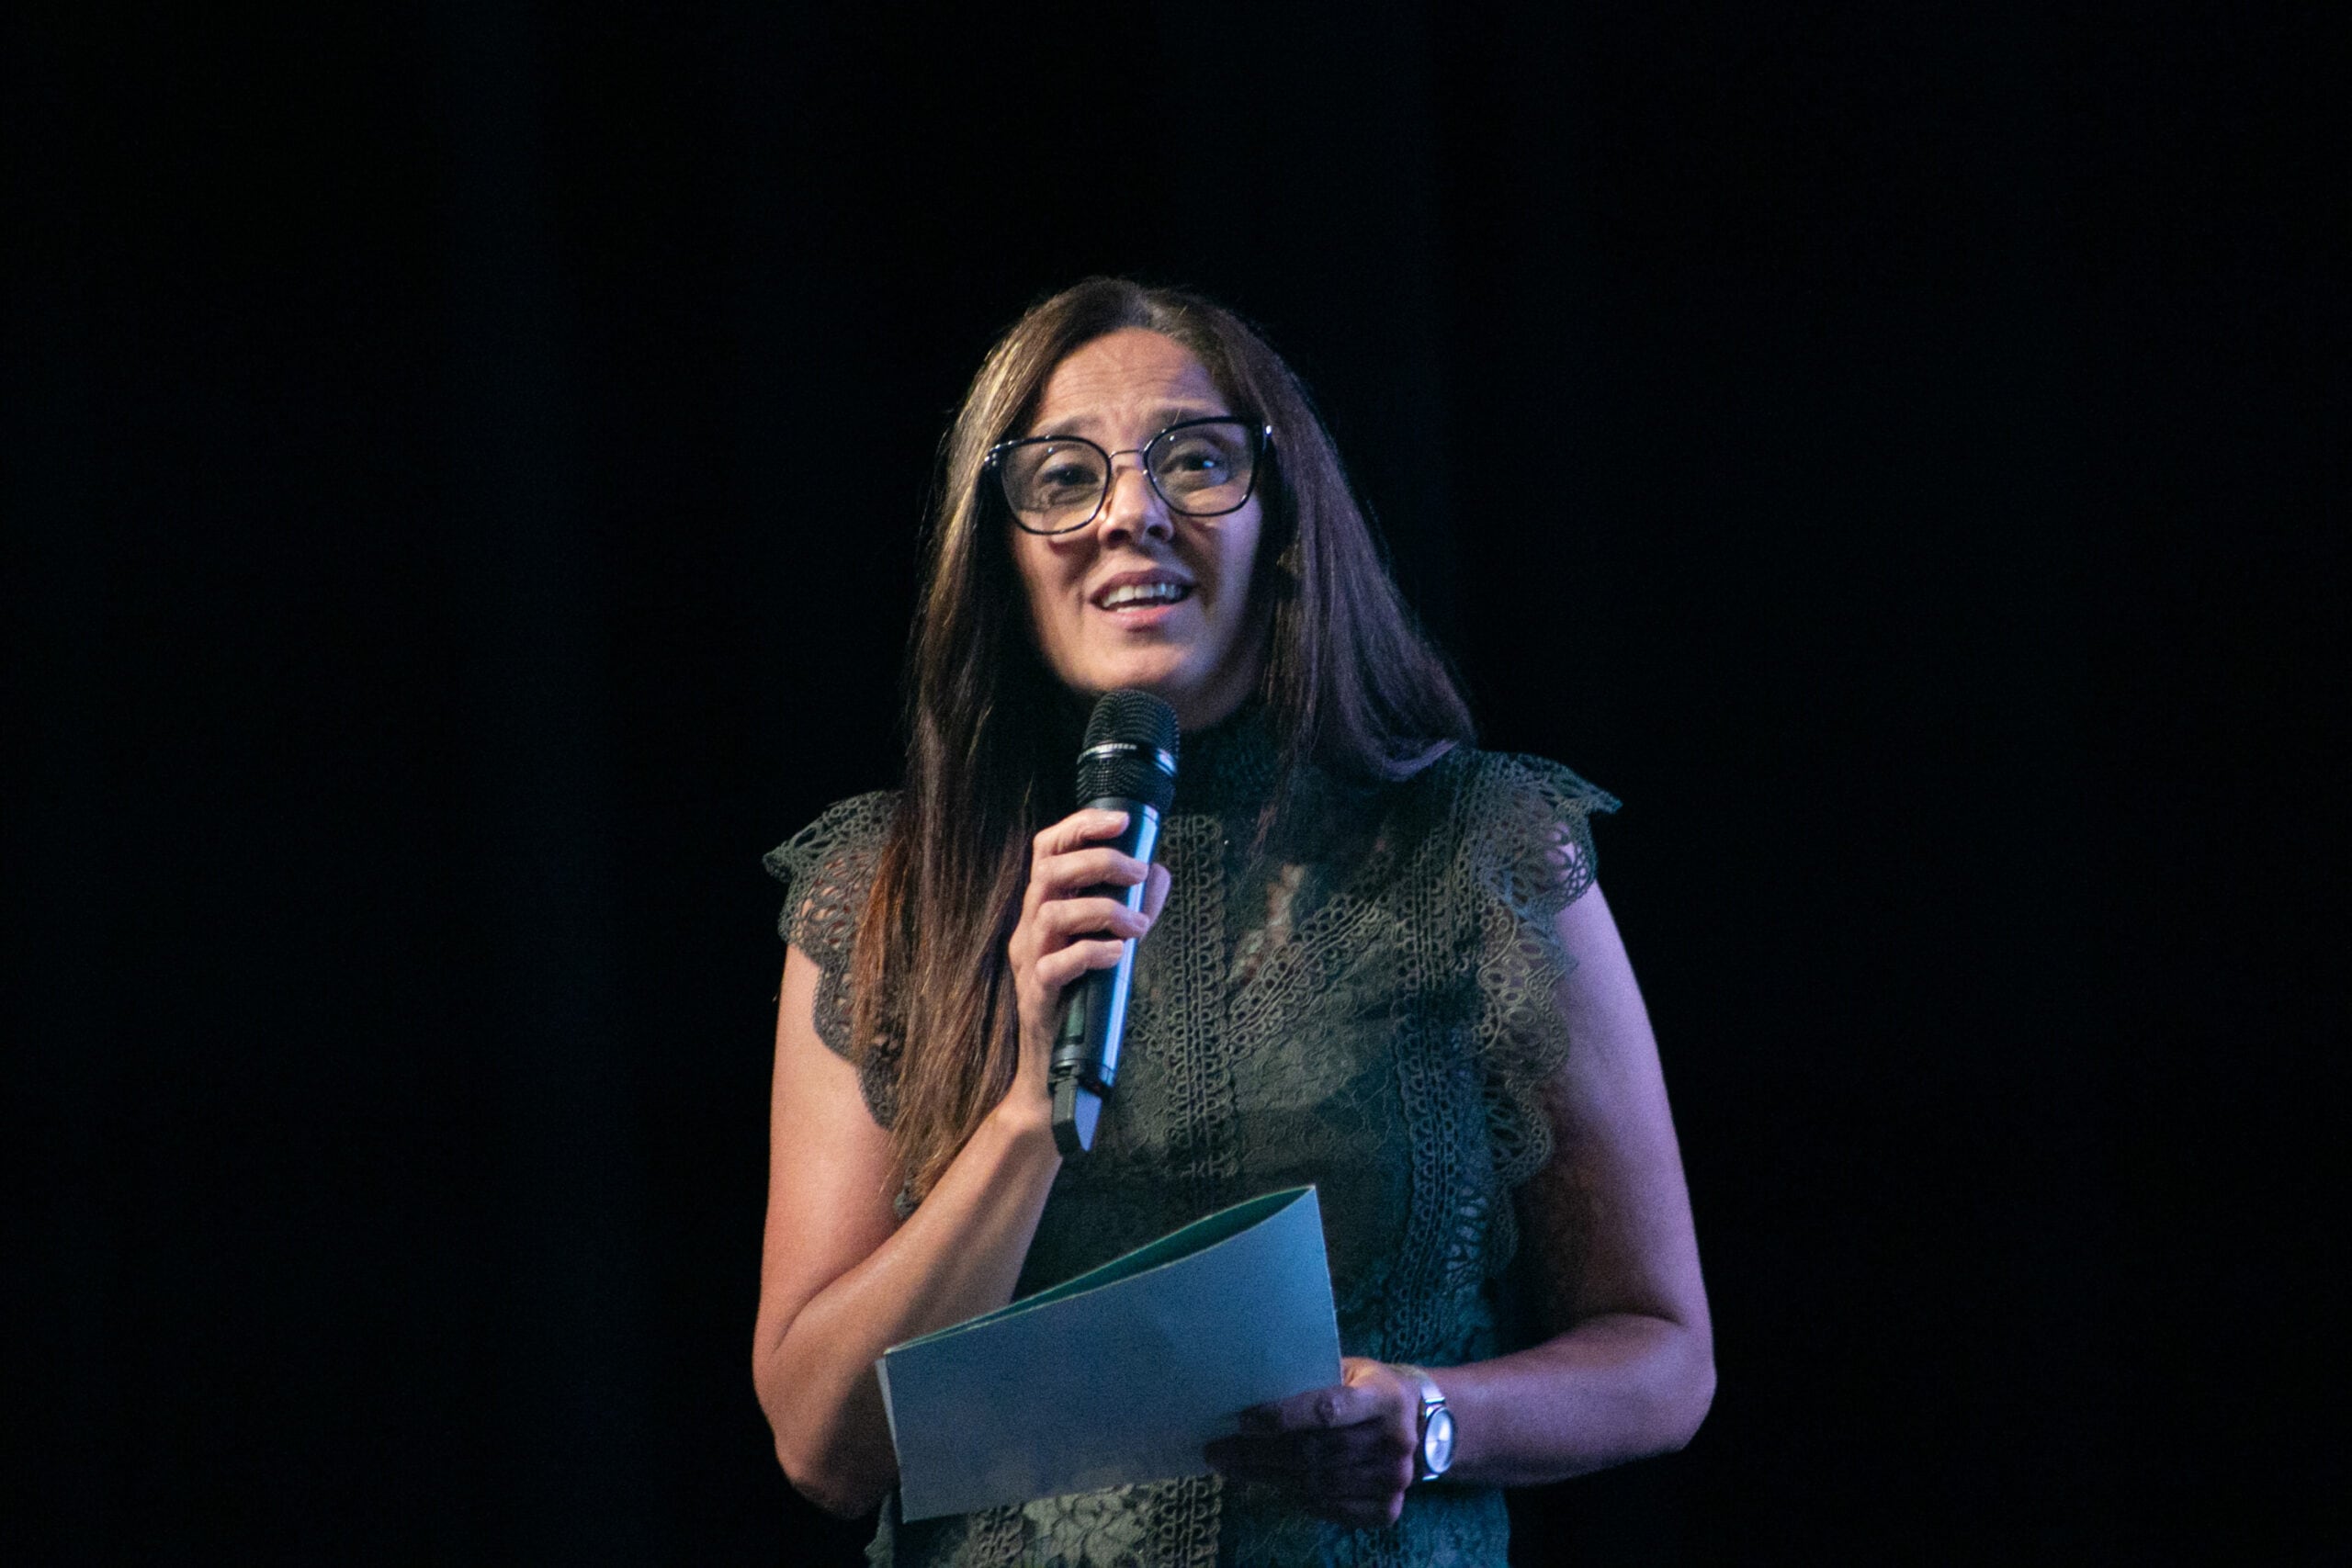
x: 1359, y: 996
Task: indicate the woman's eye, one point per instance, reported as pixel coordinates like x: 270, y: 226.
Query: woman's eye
x: 1195, y: 457
x: 1065, y: 475
x: 1195, y: 468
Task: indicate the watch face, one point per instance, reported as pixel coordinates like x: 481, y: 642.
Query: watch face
x: 1437, y: 1443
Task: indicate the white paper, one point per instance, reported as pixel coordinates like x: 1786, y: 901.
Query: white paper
x: 1120, y: 1375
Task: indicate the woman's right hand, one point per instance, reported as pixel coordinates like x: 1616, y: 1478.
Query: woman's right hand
x: 1063, y: 933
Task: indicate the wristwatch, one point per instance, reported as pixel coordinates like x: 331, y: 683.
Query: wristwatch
x: 1435, y: 1454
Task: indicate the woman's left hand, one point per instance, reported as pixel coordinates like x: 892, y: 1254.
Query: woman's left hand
x: 1345, y: 1452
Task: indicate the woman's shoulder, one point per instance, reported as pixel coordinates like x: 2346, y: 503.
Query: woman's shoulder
x: 1517, y: 826
x: 827, y: 869
x: 859, y: 823
x: 1495, y: 779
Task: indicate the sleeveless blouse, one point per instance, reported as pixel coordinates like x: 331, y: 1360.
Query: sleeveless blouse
x: 1360, y: 996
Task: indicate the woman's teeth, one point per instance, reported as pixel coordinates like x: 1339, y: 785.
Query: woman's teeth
x: 1145, y: 593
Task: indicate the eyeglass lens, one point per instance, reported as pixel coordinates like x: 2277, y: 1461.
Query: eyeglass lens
x: 1054, y: 485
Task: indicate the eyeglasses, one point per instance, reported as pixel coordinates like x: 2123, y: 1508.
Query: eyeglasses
x: 1202, y: 468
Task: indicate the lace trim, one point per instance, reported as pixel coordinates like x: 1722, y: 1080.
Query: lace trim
x: 1184, y: 1516
x: 1531, y: 857
x: 1445, y: 1221
x: 1162, y: 1524
x: 827, y: 869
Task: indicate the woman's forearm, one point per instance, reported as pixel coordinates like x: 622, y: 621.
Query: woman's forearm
x: 958, y: 1255
x: 1616, y: 1387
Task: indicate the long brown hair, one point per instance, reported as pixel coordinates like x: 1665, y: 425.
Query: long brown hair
x: 1349, y: 684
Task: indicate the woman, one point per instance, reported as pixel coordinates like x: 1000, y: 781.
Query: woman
x: 1372, y: 958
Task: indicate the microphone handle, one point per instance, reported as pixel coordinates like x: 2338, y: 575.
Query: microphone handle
x: 1094, y: 1017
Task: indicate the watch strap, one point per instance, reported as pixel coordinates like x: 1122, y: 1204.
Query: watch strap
x: 1433, y: 1400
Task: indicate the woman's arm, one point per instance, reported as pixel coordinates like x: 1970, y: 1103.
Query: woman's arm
x: 1607, y: 1223
x: 840, y: 1279
x: 1630, y: 1371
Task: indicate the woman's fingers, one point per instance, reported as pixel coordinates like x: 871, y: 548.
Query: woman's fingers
x: 1075, y: 870
x: 1056, y: 969
x: 1054, y: 926
x: 1344, y: 1452
x: 1362, y: 1483
x: 1077, y: 830
x: 1072, y: 918
x: 1066, y: 868
x: 1341, y: 1405
x: 1367, y: 1448
x: 1067, y: 926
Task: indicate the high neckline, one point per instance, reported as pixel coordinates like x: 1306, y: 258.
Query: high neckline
x: 1231, y: 765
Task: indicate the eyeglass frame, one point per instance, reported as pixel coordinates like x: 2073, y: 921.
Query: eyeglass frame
x: 994, y: 464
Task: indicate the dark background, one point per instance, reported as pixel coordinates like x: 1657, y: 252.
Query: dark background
x: 462, y: 469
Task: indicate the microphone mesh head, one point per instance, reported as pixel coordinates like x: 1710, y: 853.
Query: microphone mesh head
x: 1129, y: 718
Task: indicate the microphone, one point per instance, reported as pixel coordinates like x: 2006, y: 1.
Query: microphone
x: 1126, y: 763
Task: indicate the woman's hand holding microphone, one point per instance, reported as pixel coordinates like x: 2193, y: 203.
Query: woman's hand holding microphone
x: 1064, y: 932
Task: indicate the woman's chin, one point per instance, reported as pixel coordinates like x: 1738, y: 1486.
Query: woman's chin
x: 1174, y: 675
x: 1168, y: 680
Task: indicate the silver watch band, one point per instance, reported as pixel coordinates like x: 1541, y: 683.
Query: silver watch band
x: 1432, y: 1403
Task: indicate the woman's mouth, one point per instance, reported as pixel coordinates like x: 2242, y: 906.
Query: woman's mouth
x: 1134, y: 596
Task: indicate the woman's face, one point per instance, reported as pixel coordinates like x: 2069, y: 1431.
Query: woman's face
x: 1194, y: 649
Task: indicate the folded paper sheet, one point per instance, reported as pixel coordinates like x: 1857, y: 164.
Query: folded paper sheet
x: 1119, y: 1375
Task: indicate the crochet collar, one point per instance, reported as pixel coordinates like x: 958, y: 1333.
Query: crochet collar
x: 1232, y: 765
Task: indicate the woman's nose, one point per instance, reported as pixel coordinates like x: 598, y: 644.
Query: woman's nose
x: 1134, y: 508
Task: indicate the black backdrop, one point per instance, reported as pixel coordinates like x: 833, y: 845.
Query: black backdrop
x: 462, y: 469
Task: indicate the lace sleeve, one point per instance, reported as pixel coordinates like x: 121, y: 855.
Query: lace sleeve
x: 827, y: 869
x: 1530, y: 854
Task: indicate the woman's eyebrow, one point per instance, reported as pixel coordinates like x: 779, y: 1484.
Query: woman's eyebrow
x: 1073, y: 424
x: 1177, y: 414
x: 1165, y: 415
